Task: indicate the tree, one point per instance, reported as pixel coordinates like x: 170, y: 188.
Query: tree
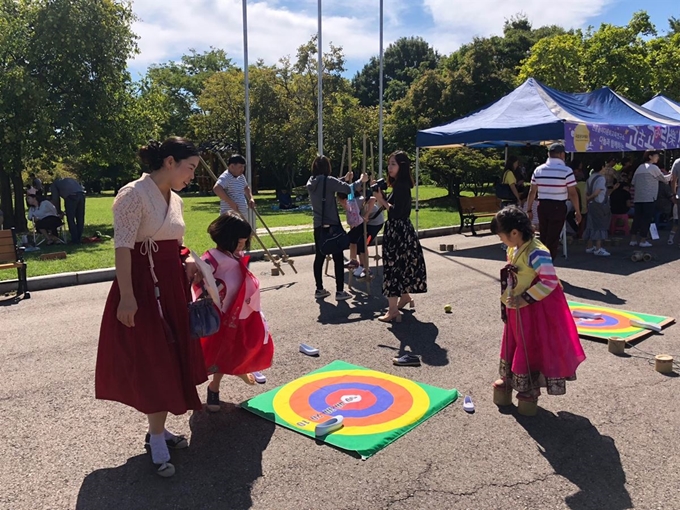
x: 183, y: 82
x: 462, y: 168
x: 629, y: 59
x: 403, y: 62
x: 61, y: 88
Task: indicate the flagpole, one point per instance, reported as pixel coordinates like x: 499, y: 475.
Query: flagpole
x: 320, y: 83
x: 249, y: 165
x: 380, y: 110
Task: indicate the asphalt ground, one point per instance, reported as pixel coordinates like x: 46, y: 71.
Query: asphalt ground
x: 610, y: 443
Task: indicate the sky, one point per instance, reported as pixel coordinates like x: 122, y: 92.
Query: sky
x: 276, y: 28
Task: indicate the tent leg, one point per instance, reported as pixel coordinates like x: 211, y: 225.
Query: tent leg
x: 564, y: 241
x: 417, y: 177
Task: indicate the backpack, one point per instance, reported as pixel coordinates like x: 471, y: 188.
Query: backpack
x: 504, y: 191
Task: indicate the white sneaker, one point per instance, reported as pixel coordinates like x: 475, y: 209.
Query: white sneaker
x: 671, y: 240
x: 645, y: 244
x: 633, y: 243
x: 592, y: 249
x: 601, y: 253
x: 358, y: 271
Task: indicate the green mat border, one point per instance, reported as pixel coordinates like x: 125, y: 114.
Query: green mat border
x: 447, y: 398
x: 632, y: 337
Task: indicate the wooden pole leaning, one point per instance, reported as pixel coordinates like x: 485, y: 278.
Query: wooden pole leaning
x: 367, y: 269
x: 377, y: 256
x: 284, y: 255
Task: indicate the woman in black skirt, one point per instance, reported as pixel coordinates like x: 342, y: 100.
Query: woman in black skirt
x: 403, y: 261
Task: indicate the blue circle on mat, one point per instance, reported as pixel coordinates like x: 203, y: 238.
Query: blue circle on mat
x: 603, y: 322
x: 384, y: 399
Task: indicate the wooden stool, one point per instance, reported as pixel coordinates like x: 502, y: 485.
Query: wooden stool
x: 527, y: 408
x: 619, y: 223
x: 502, y: 396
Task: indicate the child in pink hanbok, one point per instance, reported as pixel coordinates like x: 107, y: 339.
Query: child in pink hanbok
x: 243, y: 344
x: 541, y: 347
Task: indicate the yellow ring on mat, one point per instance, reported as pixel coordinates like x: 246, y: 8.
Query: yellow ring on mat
x: 421, y: 403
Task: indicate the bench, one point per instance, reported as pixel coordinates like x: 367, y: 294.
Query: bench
x: 12, y: 257
x: 472, y: 208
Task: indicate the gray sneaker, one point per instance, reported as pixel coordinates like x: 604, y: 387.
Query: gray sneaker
x: 321, y: 293
x: 342, y: 296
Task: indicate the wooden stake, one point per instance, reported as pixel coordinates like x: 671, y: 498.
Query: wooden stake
x: 342, y: 161
x: 349, y: 155
x: 371, y: 168
x: 367, y: 267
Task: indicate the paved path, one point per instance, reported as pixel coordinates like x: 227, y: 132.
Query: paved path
x: 609, y: 444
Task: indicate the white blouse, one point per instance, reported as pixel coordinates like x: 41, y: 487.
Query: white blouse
x: 140, y: 212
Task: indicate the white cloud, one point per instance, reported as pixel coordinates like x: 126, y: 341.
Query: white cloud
x: 457, y: 22
x: 169, y: 29
x: 277, y: 27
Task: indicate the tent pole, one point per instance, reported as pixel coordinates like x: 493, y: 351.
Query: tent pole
x: 380, y: 108
x: 506, y: 154
x: 320, y: 85
x: 246, y: 79
x: 417, y: 176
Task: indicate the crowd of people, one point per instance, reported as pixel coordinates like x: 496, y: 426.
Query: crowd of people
x: 596, y: 201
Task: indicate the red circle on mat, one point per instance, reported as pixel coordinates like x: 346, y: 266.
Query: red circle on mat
x: 403, y: 400
x: 367, y: 399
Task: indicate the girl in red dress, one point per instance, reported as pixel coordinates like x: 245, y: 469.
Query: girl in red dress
x: 146, y: 357
x: 243, y: 343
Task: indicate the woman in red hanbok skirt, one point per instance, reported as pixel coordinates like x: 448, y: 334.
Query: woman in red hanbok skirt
x: 541, y: 347
x: 146, y: 357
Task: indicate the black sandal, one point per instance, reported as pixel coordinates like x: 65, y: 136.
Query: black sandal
x: 174, y: 443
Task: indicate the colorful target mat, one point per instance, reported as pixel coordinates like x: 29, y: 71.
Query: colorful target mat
x: 377, y: 408
x: 614, y: 322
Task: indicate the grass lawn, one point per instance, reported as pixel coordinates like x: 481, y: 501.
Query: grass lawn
x: 436, y: 210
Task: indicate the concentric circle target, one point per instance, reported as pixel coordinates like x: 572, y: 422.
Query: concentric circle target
x: 370, y: 402
x: 610, y: 323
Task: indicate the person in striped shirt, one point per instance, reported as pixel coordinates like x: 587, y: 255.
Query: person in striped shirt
x: 554, y: 183
x: 540, y: 346
x: 232, y: 188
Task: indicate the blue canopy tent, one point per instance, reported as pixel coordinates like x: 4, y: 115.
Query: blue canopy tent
x: 601, y: 121
x: 664, y: 105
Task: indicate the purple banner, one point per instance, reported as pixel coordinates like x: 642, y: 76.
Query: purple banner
x: 608, y: 138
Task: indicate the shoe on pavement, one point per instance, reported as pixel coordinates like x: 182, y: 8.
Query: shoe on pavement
x: 342, y: 296
x: 645, y: 244
x: 633, y: 243
x: 592, y: 249
x: 213, y: 401
x: 407, y: 360
x: 351, y: 264
x: 601, y: 253
x: 321, y: 293
x: 358, y: 271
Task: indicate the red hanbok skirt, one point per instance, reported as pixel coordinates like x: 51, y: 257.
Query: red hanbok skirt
x: 154, y: 366
x: 541, y: 346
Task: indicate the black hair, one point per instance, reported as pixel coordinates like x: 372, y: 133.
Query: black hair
x: 153, y: 154
x: 321, y: 166
x: 511, y: 218
x: 598, y: 164
x: 404, y: 173
x: 227, y: 229
x: 625, y: 160
x: 648, y: 155
x: 236, y: 159
x: 511, y: 162
x: 341, y: 196
x: 575, y: 164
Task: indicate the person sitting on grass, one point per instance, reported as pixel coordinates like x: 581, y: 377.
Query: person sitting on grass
x: 44, y: 215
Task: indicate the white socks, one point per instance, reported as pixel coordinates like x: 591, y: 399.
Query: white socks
x: 168, y: 435
x: 159, y: 450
